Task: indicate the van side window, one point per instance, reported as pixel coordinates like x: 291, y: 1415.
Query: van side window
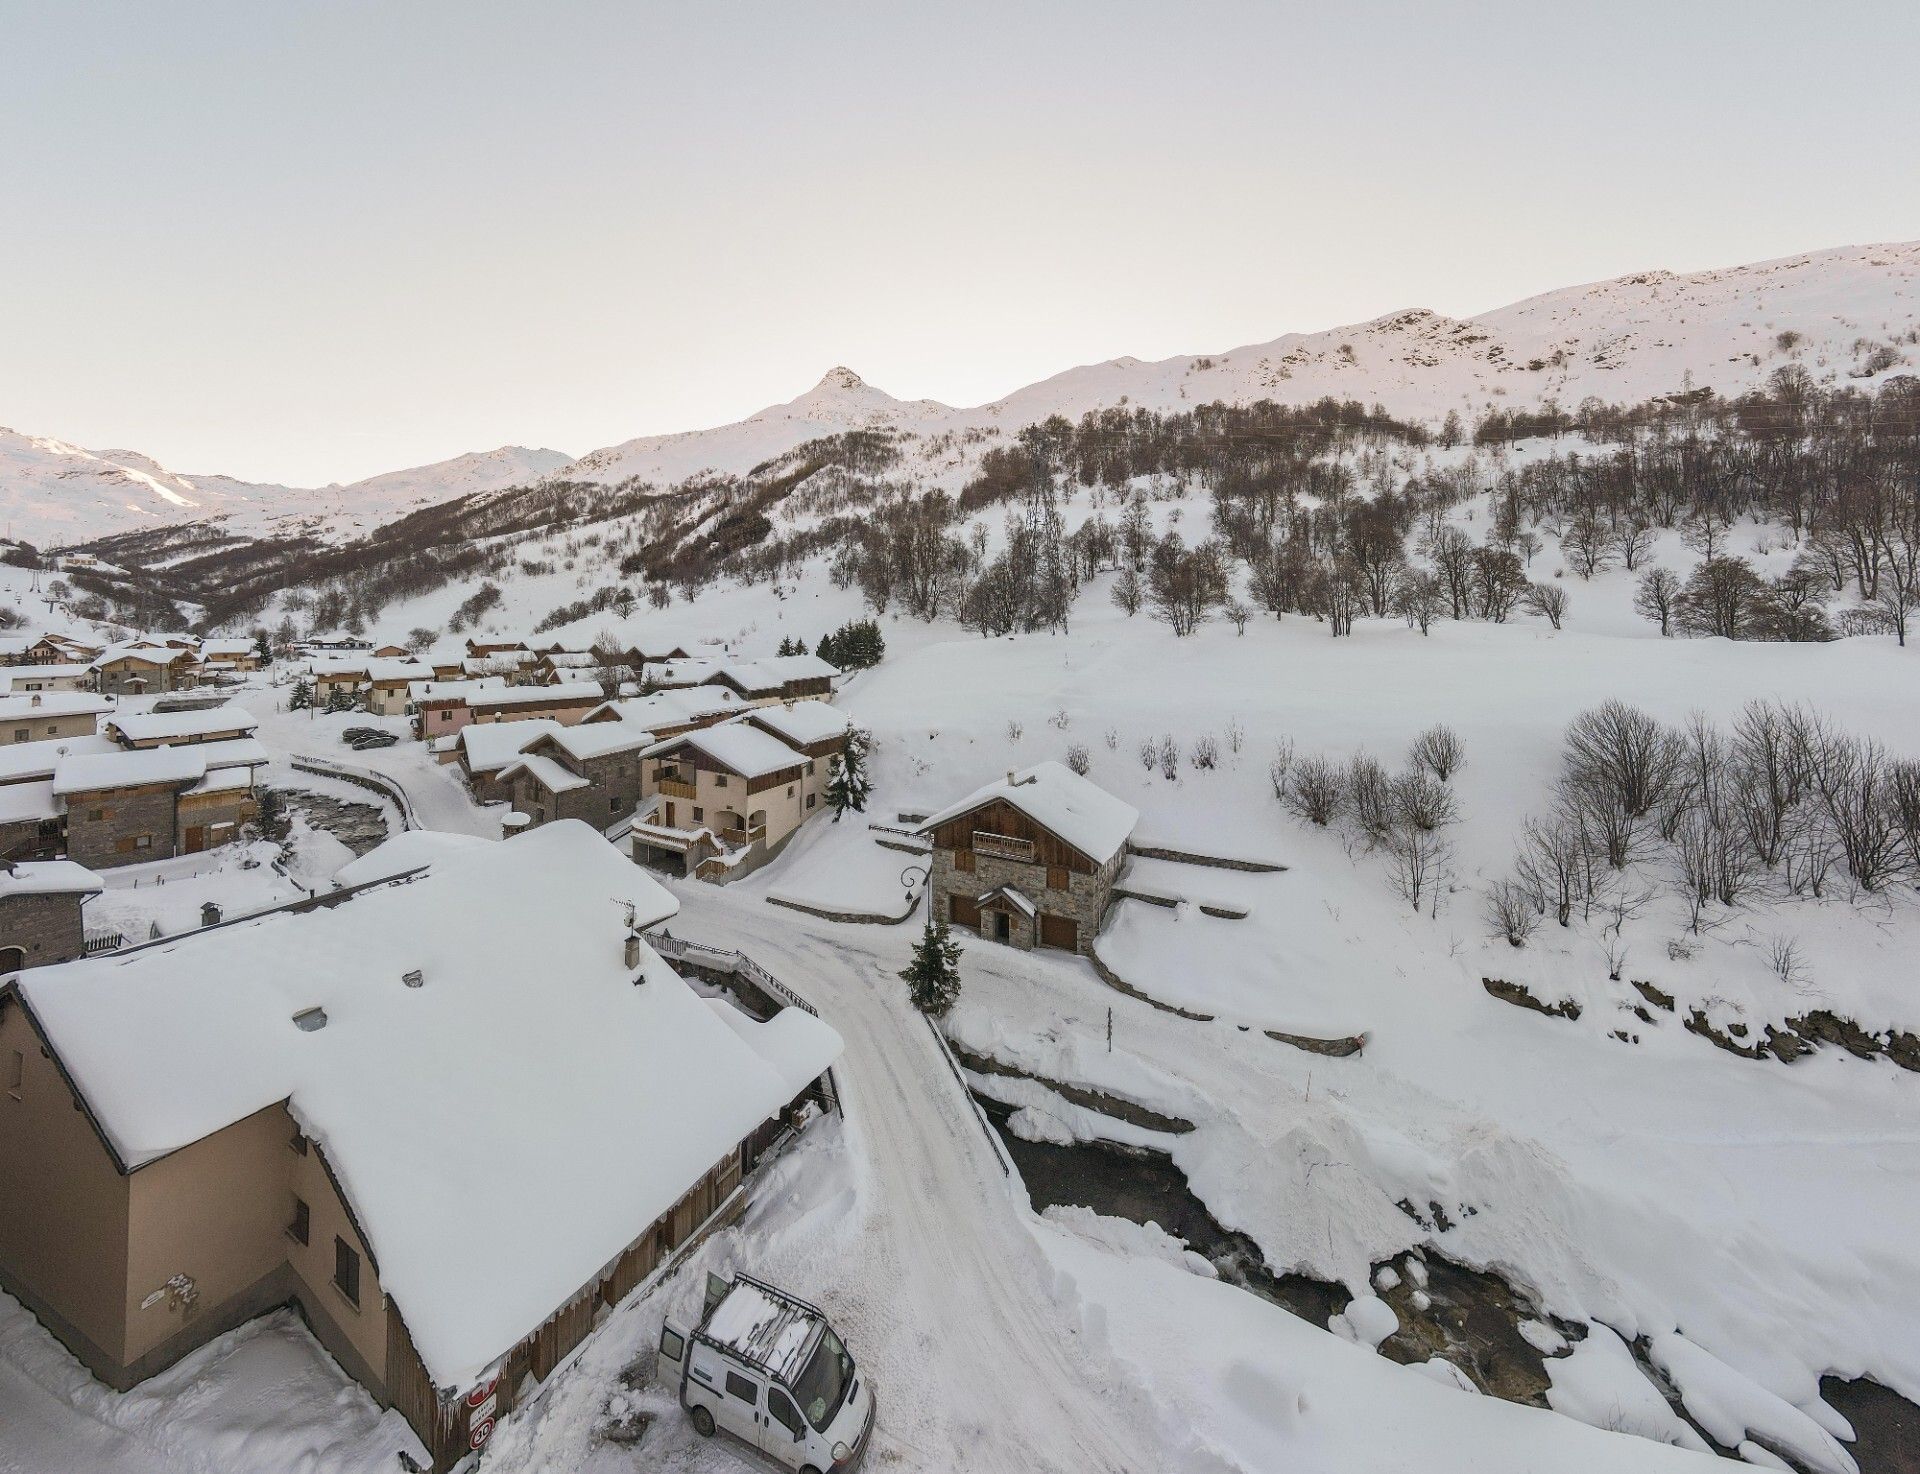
x: 738, y: 1386
x: 673, y: 1346
x: 781, y: 1406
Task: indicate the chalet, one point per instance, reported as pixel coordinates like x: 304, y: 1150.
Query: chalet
x: 389, y: 683
x: 1031, y: 859
x: 42, y: 715
x: 392, y: 652
x: 123, y: 807
x: 565, y: 704
x: 147, y: 729
x: 635, y: 658
x: 557, y: 666
x: 15, y: 649
x: 516, y: 667
x: 669, y: 713
x: 778, y: 678
x: 40, y: 904
x: 143, y: 668
x: 483, y: 645
x: 731, y: 796
x: 811, y: 727
x: 60, y: 676
x: 47, y: 649
x: 508, y: 1113
x: 229, y: 656
x: 439, y: 708
x: 485, y: 750
x: 590, y: 772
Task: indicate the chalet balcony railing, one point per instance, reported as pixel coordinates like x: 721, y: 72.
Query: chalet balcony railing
x: 674, y: 788
x: 1002, y: 846
x: 103, y: 940
x: 744, y: 836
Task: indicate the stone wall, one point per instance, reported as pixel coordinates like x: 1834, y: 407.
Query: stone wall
x: 124, y: 814
x: 1084, y: 900
x: 46, y: 929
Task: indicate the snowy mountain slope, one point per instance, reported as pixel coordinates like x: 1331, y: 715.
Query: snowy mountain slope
x: 54, y: 492
x: 1624, y: 340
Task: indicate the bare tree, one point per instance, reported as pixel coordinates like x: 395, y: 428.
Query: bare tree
x: 1279, y: 768
x: 1439, y: 751
x: 1510, y: 912
x: 1419, y: 600
x: 1316, y: 790
x: 1370, y: 797
x: 1128, y: 593
x: 1555, y: 865
x: 1546, y: 600
x: 1654, y: 595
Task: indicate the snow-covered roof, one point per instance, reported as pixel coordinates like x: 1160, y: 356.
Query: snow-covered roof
x: 694, y: 670
x: 802, y: 723
x: 91, y: 772
x: 52, y: 704
x: 469, y: 1121
x: 234, y: 752
x: 60, y: 671
x: 28, y: 761
x: 226, y: 648
x: 142, y: 652
x: 48, y: 878
x: 537, y: 695
x: 745, y: 750
x: 1012, y: 895
x: 175, y: 726
x: 389, y: 671
x: 544, y: 771
x: 490, y: 746
x: 671, y: 708
x: 20, y: 802
x: 597, y: 739
x: 1059, y: 800
x: 462, y: 690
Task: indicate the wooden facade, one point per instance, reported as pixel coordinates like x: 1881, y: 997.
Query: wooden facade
x: 964, y: 832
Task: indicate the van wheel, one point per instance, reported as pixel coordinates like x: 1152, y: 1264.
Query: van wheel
x: 703, y: 1422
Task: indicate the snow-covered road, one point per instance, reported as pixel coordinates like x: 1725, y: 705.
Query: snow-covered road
x: 942, y: 1289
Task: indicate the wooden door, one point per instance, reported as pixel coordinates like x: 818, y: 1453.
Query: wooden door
x: 1059, y: 931
x: 669, y: 821
x: 196, y: 838
x: 964, y: 911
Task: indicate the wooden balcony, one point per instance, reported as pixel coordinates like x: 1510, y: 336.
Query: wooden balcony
x: 673, y: 788
x: 1002, y: 846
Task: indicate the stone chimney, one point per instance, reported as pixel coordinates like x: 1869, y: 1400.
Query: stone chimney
x: 633, y: 950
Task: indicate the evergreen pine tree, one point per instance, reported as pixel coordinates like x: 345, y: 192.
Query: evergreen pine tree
x: 933, y: 977
x: 301, y: 697
x: 847, y: 781
x: 341, y: 699
x: 263, y: 651
x: 828, y: 650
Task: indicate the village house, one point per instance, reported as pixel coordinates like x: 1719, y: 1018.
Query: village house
x: 42, y: 715
x: 778, y: 678
x: 40, y: 905
x: 515, y: 667
x: 588, y: 772
x: 811, y: 727
x: 60, y: 676
x: 669, y: 713
x: 1031, y: 859
x: 47, y: 649
x: 143, y: 667
x: 439, y: 708
x: 389, y: 683
x: 146, y: 729
x: 731, y: 796
x: 127, y: 806
x: 485, y: 750
x: 556, y: 666
x: 392, y: 652
x: 565, y: 704
x: 507, y: 1113
x: 230, y: 656
x: 32, y: 826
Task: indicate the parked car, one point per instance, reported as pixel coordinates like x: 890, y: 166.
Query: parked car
x: 766, y: 1368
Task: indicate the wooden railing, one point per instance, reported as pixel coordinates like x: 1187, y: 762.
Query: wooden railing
x: 1005, y: 846
x: 105, y: 940
x: 673, y: 788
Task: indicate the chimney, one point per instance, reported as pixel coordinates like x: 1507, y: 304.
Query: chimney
x: 633, y: 950
x: 36, y: 698
x: 209, y: 914
x: 310, y: 1020
x: 414, y: 978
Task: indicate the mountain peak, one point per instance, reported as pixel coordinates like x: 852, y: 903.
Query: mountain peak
x: 839, y: 377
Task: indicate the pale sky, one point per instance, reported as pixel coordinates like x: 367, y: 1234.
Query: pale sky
x: 310, y: 242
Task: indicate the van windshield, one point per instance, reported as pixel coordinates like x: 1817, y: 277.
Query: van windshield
x: 822, y: 1387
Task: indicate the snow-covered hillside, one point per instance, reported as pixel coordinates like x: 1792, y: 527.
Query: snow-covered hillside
x: 1624, y: 341
x: 52, y: 492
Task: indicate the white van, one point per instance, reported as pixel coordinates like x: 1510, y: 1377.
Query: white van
x: 766, y: 1368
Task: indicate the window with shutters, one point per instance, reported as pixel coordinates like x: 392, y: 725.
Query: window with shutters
x: 300, y: 1225
x: 963, y: 861
x: 1057, y: 878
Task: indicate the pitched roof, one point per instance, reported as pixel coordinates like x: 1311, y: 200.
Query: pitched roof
x: 490, y: 746
x: 1060, y: 801
x: 164, y: 726
x: 671, y: 708
x: 91, y: 772
x: 597, y: 739
x: 52, y: 704
x: 469, y: 1120
x: 32, y: 761
x: 48, y: 878
x: 544, y: 771
x: 745, y: 750
x: 537, y: 695
x: 803, y: 723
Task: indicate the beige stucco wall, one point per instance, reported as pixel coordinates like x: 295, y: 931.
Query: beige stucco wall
x: 364, y: 1328
x: 39, y: 726
x: 213, y: 1210
x: 63, y: 1203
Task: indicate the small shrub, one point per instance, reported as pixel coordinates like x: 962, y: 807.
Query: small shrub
x: 1078, y: 759
x: 1206, y: 752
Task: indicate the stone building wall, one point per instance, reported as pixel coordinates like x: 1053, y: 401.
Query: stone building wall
x: 46, y: 928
